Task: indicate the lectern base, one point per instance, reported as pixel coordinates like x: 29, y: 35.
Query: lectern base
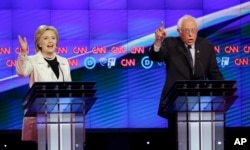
x: 60, y: 131
x: 200, y: 130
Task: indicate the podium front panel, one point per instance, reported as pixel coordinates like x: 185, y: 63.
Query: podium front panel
x: 60, y: 105
x: 201, y: 103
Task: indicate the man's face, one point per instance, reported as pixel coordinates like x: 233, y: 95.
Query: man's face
x: 188, y: 31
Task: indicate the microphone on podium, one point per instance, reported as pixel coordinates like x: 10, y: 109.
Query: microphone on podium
x: 201, y: 67
x: 60, y: 70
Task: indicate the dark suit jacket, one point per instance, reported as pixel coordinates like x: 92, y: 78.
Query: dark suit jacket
x: 174, y: 53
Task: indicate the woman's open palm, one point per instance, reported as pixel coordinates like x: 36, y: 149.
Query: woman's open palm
x: 23, y: 44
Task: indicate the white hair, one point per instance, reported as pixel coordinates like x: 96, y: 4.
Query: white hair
x: 180, y: 21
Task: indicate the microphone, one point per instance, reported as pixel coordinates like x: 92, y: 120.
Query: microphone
x: 201, y: 67
x: 60, y: 70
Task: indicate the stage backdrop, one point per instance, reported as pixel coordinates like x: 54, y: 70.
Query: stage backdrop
x: 107, y: 41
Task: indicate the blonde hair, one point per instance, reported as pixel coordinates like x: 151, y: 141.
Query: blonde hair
x: 180, y: 21
x: 40, y: 31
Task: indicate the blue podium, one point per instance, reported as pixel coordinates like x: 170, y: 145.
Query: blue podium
x: 198, y: 109
x: 60, y: 109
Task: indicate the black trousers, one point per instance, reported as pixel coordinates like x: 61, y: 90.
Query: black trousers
x: 172, y: 130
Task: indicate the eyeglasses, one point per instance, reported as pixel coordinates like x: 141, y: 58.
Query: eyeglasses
x: 188, y: 31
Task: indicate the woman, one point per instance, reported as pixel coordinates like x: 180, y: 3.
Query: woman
x: 44, y: 66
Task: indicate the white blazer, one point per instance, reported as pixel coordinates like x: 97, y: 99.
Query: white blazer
x: 39, y: 71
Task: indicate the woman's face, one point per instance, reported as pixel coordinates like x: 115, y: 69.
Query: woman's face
x: 48, y: 42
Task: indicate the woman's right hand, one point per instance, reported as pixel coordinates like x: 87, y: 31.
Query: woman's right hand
x: 23, y: 45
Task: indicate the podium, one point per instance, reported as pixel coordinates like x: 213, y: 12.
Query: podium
x: 60, y: 109
x: 198, y: 109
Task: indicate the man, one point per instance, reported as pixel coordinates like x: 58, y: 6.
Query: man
x: 187, y: 57
x: 174, y: 52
